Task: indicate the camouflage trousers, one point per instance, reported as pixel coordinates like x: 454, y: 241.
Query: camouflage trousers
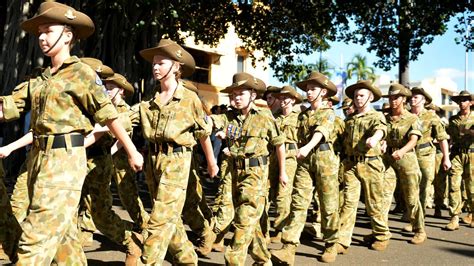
x: 20, y: 199
x: 409, y: 174
x: 462, y: 169
x: 125, y: 180
x: 10, y: 229
x: 250, y: 189
x: 196, y: 212
x: 97, y: 200
x: 167, y: 177
x: 283, y: 197
x: 318, y: 170
x: 440, y: 184
x: 389, y: 185
x: 224, y: 211
x: 426, y: 162
x: 369, y: 174
x: 50, y: 229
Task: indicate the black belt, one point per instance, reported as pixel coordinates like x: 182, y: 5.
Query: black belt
x: 361, y: 158
x: 424, y: 145
x: 251, y: 162
x: 291, y: 146
x: 59, y: 141
x: 324, y: 147
x: 390, y: 150
x: 465, y: 150
x: 165, y: 147
x: 95, y: 151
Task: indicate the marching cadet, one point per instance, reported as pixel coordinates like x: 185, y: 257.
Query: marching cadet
x: 248, y: 133
x: 363, y: 165
x: 431, y: 127
x: 171, y: 122
x: 272, y: 101
x: 118, y: 88
x: 404, y: 130
x: 462, y: 158
x: 318, y: 168
x: 287, y: 122
x: 62, y: 100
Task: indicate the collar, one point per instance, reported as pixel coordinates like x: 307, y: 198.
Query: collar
x: 71, y: 60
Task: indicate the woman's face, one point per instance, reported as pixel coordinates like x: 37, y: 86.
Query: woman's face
x: 164, y: 67
x: 48, y: 38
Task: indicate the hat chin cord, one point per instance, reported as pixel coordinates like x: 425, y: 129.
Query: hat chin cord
x: 57, y: 41
x: 169, y: 71
x: 317, y: 97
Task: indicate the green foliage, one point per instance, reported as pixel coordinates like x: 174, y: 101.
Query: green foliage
x: 360, y: 68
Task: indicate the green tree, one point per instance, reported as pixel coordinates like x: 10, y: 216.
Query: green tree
x: 396, y: 30
x: 359, y: 67
x: 323, y: 66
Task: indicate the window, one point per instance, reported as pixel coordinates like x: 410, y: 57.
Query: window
x: 203, y: 65
x: 240, y: 63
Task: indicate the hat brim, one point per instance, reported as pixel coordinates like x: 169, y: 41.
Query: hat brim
x: 238, y: 85
x: 428, y: 98
x: 297, y: 99
x: 351, y: 90
x: 187, y: 61
x: 82, y: 24
x: 303, y: 84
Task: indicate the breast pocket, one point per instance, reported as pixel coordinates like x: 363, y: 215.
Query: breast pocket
x: 256, y: 140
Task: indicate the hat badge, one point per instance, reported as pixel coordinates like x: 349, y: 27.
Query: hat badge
x: 394, y: 92
x: 69, y: 14
x: 255, y: 81
x: 326, y: 82
x: 99, y: 69
x: 179, y: 54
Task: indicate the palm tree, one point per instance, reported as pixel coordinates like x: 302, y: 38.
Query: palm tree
x: 359, y: 67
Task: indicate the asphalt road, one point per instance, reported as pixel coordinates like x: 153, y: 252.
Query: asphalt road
x: 441, y: 248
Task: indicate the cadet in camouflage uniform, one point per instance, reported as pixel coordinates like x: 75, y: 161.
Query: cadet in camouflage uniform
x: 431, y: 127
x: 62, y: 100
x: 248, y: 133
x: 318, y: 168
x: 404, y: 130
x: 118, y: 88
x: 287, y: 122
x: 364, y: 166
x: 171, y: 122
x: 462, y: 158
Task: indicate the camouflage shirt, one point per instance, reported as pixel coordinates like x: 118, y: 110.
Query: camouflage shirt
x: 400, y: 129
x: 288, y: 125
x: 248, y: 136
x: 124, y: 116
x: 182, y: 120
x: 360, y: 127
x: 337, y: 135
x: 62, y: 102
x: 431, y: 127
x: 456, y: 123
x: 312, y: 121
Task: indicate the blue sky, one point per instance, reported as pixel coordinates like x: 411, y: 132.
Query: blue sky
x: 443, y: 57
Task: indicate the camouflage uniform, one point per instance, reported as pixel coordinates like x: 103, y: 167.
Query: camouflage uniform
x: 97, y: 197
x: 431, y: 127
x: 289, y: 126
x: 171, y: 129
x: 124, y: 177
x: 248, y: 137
x: 20, y: 199
x: 363, y: 167
x: 10, y: 229
x: 407, y: 168
x: 462, y: 159
x: 224, y: 211
x: 62, y: 103
x: 440, y: 184
x: 319, y: 169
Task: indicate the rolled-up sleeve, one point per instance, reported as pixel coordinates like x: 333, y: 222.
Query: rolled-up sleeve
x: 15, y: 104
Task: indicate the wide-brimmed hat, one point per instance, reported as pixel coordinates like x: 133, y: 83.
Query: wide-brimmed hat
x: 53, y: 12
x: 288, y: 90
x: 122, y: 82
x: 335, y: 99
x: 364, y: 84
x: 102, y: 70
x: 246, y: 81
x: 320, y: 80
x: 397, y: 89
x: 346, y: 103
x: 173, y: 51
x: 190, y: 85
x: 462, y: 95
x: 419, y: 90
x: 270, y: 89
